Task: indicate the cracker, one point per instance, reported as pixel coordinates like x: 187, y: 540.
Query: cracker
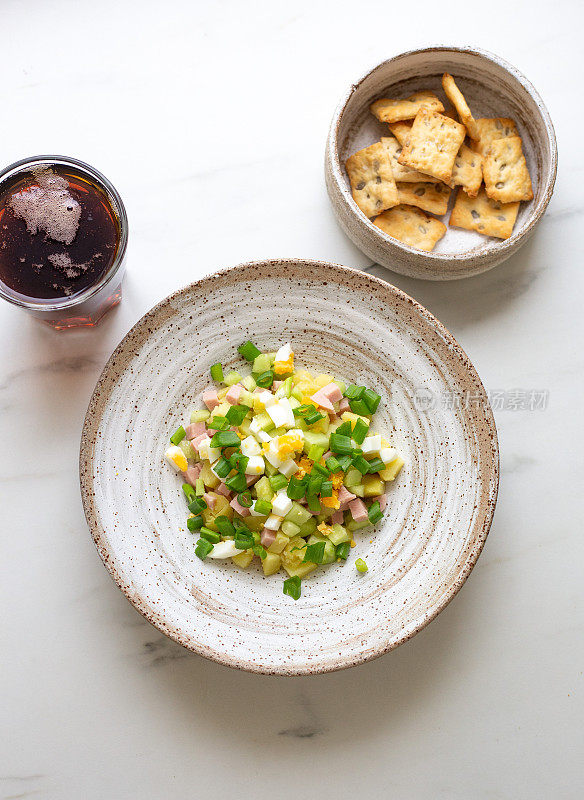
x: 400, y: 130
x: 387, y: 110
x: 433, y: 144
x: 484, y: 215
x: 428, y: 196
x: 401, y: 173
x: 506, y: 175
x: 411, y: 226
x: 372, y: 180
x: 467, y: 171
x: 489, y: 129
x: 456, y: 97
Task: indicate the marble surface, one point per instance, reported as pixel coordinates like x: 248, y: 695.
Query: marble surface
x: 211, y: 120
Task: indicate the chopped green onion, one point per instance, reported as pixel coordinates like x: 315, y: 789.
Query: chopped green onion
x: 225, y: 439
x: 217, y: 423
x: 178, y: 435
x: 243, y: 541
x: 263, y: 507
x: 315, y: 452
x: 248, y: 350
x: 237, y: 483
x: 203, y: 549
x: 374, y: 512
x: 340, y: 444
x: 345, y: 429
x: 313, y: 503
x: 199, y: 487
x: 222, y: 468
x: 256, y: 537
x: 296, y: 488
x: 244, y: 499
x: 361, y: 565
x: 210, y: 536
x: 371, y: 400
x: 314, y: 552
x: 332, y: 464
x: 236, y: 414
x: 314, y: 483
x: 197, y: 505
x: 361, y: 464
x: 241, y: 527
x: 224, y: 526
x: 345, y: 462
x: 320, y: 469
x: 354, y: 392
x: 266, y: 379
x: 278, y: 482
x: 217, y: 371
x: 232, y: 378
x: 238, y: 461
x: 260, y: 551
x: 360, y: 431
x: 189, y: 492
x: 326, y: 489
x: 313, y: 416
x: 376, y: 464
x: 292, y: 587
x: 194, y: 523
x: 359, y: 407
x: 343, y: 550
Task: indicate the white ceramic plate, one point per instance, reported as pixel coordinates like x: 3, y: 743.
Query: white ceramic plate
x: 440, y: 507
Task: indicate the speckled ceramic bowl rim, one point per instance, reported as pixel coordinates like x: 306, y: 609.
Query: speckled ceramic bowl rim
x: 140, y: 332
x: 498, y: 247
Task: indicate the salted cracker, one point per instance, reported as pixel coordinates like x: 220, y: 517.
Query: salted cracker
x: 401, y: 173
x: 433, y: 144
x: 431, y: 197
x: 390, y: 110
x: 489, y: 129
x: 372, y: 180
x: 506, y: 174
x: 484, y: 215
x: 400, y: 130
x: 456, y: 97
x: 467, y: 171
x: 411, y: 226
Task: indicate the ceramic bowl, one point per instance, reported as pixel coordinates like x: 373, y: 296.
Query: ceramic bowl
x: 439, y: 510
x: 493, y: 88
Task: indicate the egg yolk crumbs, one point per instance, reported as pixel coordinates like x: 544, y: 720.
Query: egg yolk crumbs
x: 283, y: 367
x: 287, y: 444
x: 325, y: 529
x: 331, y: 502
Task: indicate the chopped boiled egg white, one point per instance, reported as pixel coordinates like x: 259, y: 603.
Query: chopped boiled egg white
x: 288, y: 467
x: 284, y: 361
x: 281, y: 503
x: 207, y: 452
x: 250, y: 447
x: 371, y: 445
x: 225, y: 549
x: 176, y: 458
x: 266, y: 398
x: 288, y: 443
x: 281, y: 413
x: 273, y: 522
x: 253, y: 511
x: 255, y: 466
x: 263, y: 436
x: 387, y: 455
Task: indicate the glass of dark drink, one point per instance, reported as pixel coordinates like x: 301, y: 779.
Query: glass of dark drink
x: 63, y: 238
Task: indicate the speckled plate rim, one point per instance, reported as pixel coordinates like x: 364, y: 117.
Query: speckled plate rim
x: 499, y: 247
x: 112, y: 371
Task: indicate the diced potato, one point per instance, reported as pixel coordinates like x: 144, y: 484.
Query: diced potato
x: 348, y: 416
x: 301, y: 376
x: 271, y: 563
x: 222, y: 507
x: 254, y: 523
x: 302, y: 570
x: 210, y: 480
x: 221, y: 410
x: 323, y: 380
x: 244, y: 559
x: 391, y: 471
x: 372, y: 486
x: 222, y: 392
x: 279, y: 543
x: 357, y: 526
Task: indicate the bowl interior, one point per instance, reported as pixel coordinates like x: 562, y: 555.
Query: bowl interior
x: 339, y: 321
x: 490, y: 89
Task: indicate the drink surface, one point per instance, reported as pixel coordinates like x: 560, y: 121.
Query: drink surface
x: 58, y: 233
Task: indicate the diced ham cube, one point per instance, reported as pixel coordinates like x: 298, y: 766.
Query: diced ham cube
x: 210, y: 399
x: 358, y: 510
x: 234, y: 394
x: 267, y: 537
x: 345, y: 497
x: 196, y: 443
x: 211, y: 432
x: 223, y: 489
x: 332, y: 391
x: 192, y: 473
x: 237, y: 507
x: 338, y: 518
x: 344, y: 405
x: 382, y: 500
x: 276, y: 385
x: 328, y: 454
x: 210, y: 499
x: 251, y: 479
x: 322, y: 400
x: 194, y: 429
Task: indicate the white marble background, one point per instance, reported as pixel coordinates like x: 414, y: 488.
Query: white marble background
x: 211, y: 119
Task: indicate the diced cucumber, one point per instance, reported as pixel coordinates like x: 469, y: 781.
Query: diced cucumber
x: 329, y: 553
x: 279, y: 543
x: 232, y: 378
x: 188, y: 450
x: 294, y: 402
x: 298, y: 514
x: 301, y: 570
x: 264, y: 422
x: 308, y: 527
x: 316, y: 452
x: 358, y: 490
x: 244, y: 427
x: 352, y: 478
x: 271, y: 563
x: 315, y: 537
x: 262, y: 363
x: 200, y: 415
x: 290, y: 528
x: 339, y: 535
x: 372, y: 486
x: 254, y: 523
x: 391, y: 471
x: 318, y: 439
x: 342, y: 386
x: 246, y: 399
x: 270, y: 470
x: 297, y: 395
x: 357, y: 526
x: 244, y: 559
x: 263, y: 489
x: 248, y: 383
